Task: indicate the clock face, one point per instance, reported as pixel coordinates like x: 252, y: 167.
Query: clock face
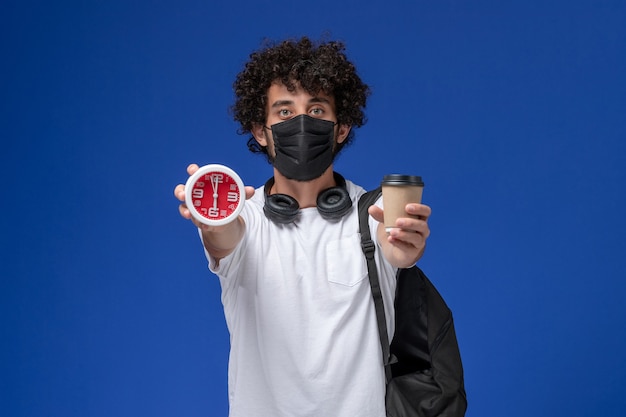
x: 215, y: 195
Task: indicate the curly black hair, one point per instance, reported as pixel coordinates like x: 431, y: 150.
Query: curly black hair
x: 316, y: 67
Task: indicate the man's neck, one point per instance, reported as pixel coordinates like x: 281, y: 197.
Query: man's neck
x: 305, y: 192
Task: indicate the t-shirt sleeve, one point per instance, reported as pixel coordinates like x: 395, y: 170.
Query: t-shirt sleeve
x: 227, y: 265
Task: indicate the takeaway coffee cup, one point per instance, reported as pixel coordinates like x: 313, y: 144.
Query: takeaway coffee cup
x: 398, y: 191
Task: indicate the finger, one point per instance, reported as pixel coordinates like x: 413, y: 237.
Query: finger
x: 192, y: 168
x: 186, y: 214
x: 421, y: 210
x: 413, y: 225
x: 377, y: 213
x: 184, y: 211
x: 179, y: 192
x: 249, y: 192
x: 409, y: 249
x: 407, y: 237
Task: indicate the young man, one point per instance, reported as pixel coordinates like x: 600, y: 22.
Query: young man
x: 296, y: 297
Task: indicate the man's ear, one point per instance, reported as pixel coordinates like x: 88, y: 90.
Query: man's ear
x: 258, y: 131
x: 342, y: 133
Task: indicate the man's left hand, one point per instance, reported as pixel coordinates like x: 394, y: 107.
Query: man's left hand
x: 404, y: 245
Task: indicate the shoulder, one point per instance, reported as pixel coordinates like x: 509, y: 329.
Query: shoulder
x: 355, y: 191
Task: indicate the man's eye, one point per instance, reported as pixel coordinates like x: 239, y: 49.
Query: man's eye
x: 284, y: 113
x: 317, y: 111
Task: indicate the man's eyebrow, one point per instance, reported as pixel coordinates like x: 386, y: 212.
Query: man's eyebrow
x: 280, y: 103
x: 319, y: 100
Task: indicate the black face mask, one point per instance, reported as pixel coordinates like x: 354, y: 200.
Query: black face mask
x: 303, y: 146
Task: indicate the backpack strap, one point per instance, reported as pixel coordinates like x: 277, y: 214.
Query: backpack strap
x: 368, y: 247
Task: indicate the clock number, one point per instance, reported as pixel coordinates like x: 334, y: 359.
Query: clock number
x: 214, y: 212
x: 197, y: 193
x: 216, y: 177
x: 232, y: 196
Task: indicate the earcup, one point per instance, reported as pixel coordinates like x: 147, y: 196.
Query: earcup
x: 332, y: 203
x: 281, y: 208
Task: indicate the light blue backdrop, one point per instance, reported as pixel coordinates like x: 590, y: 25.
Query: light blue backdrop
x: 513, y: 112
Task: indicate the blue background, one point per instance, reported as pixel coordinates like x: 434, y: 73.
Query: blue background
x: 514, y: 113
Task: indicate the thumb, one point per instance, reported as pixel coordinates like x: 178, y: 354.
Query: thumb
x: 376, y: 213
x: 249, y: 192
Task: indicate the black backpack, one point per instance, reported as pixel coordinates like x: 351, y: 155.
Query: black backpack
x: 423, y: 363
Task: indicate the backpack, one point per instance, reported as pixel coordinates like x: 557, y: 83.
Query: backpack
x: 423, y: 363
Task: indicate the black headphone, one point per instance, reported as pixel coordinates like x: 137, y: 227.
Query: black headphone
x: 332, y: 203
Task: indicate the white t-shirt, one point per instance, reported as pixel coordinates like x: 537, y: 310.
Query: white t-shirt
x: 299, y: 309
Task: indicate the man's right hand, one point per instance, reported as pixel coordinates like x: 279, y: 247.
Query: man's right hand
x: 218, y: 240
x: 179, y: 192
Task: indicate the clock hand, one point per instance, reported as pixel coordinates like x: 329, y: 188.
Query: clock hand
x: 215, y: 184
